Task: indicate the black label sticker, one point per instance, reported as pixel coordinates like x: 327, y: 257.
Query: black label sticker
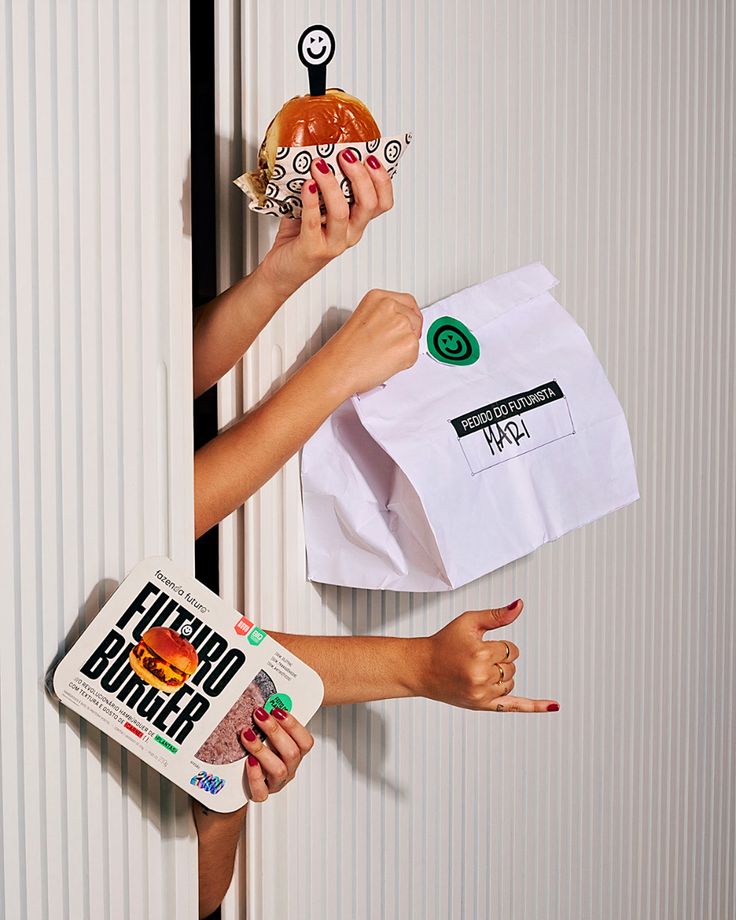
x: 514, y: 425
x: 505, y: 408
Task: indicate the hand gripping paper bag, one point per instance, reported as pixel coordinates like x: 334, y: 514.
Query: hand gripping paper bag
x: 504, y: 435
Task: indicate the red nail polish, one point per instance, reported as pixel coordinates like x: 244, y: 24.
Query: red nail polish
x: 322, y: 166
x: 279, y: 713
x: 373, y: 162
x: 252, y: 761
x: 260, y: 714
x: 513, y: 605
x: 249, y: 734
x: 553, y: 707
x: 312, y: 187
x: 349, y: 156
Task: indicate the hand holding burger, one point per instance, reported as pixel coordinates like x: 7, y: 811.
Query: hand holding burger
x: 303, y: 247
x: 329, y: 223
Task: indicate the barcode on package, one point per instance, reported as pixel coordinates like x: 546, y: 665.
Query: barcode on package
x: 513, y: 426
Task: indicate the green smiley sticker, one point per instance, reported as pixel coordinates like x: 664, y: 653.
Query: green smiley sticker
x: 451, y: 342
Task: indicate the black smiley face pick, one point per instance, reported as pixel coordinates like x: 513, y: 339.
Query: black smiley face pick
x: 316, y: 48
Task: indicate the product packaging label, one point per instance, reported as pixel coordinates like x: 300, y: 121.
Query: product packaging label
x: 174, y: 674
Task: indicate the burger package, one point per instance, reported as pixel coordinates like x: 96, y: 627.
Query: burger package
x: 174, y: 674
x: 504, y: 435
x: 316, y: 126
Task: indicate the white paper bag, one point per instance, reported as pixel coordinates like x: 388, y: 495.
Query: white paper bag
x: 504, y: 435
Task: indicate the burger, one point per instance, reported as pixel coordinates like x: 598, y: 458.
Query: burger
x: 333, y: 118
x: 223, y: 745
x: 164, y: 659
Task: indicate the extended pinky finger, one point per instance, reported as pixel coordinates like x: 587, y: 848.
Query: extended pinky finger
x: 521, y: 704
x: 256, y: 780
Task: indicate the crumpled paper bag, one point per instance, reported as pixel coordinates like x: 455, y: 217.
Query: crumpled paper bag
x: 504, y: 435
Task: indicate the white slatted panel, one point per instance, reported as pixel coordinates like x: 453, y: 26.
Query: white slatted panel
x: 95, y: 414
x: 599, y: 138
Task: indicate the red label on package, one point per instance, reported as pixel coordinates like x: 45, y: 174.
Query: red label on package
x: 242, y: 626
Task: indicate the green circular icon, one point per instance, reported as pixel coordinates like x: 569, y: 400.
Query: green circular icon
x: 451, y: 342
x: 278, y: 701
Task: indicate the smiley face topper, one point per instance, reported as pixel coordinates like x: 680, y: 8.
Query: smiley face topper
x: 316, y: 48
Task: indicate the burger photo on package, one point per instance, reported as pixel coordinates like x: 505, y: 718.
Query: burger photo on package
x: 164, y: 659
x: 318, y: 125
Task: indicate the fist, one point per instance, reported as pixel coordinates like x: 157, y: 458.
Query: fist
x: 380, y: 339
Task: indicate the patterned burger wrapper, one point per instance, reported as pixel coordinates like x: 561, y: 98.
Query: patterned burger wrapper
x: 292, y: 168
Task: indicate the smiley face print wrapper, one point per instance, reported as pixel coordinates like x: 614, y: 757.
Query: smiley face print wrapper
x: 282, y: 194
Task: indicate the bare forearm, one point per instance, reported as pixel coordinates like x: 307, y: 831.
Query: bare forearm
x: 227, y: 326
x: 218, y: 841
x: 357, y: 669
x: 229, y: 469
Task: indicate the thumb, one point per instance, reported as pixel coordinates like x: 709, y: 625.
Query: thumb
x: 496, y: 617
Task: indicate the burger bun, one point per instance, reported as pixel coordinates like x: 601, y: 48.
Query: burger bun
x: 173, y: 648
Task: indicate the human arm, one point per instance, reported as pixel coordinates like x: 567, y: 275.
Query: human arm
x: 268, y: 768
x: 218, y: 836
x: 379, y: 339
x: 455, y: 665
x: 227, y: 326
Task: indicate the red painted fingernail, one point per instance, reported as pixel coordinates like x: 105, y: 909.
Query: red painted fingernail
x: 349, y: 156
x: 249, y: 734
x: 312, y: 187
x: 322, y: 166
x: 513, y: 605
x: 252, y: 761
x: 553, y: 707
x: 279, y: 713
x: 260, y: 714
x: 373, y: 162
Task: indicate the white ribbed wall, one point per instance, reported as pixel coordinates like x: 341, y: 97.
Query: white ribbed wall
x: 95, y: 422
x: 597, y: 137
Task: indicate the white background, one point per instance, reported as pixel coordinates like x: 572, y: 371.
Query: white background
x: 598, y: 138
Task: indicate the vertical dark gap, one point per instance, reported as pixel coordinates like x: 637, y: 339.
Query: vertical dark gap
x: 204, y: 243
x: 204, y: 239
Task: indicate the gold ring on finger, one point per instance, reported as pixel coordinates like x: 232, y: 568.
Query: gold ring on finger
x: 501, y: 672
x: 508, y: 652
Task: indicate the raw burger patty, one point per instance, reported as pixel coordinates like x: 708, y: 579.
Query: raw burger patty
x: 223, y: 745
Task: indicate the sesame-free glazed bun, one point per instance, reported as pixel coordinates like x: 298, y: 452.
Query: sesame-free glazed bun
x: 335, y: 118
x: 164, y: 659
x: 172, y: 647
